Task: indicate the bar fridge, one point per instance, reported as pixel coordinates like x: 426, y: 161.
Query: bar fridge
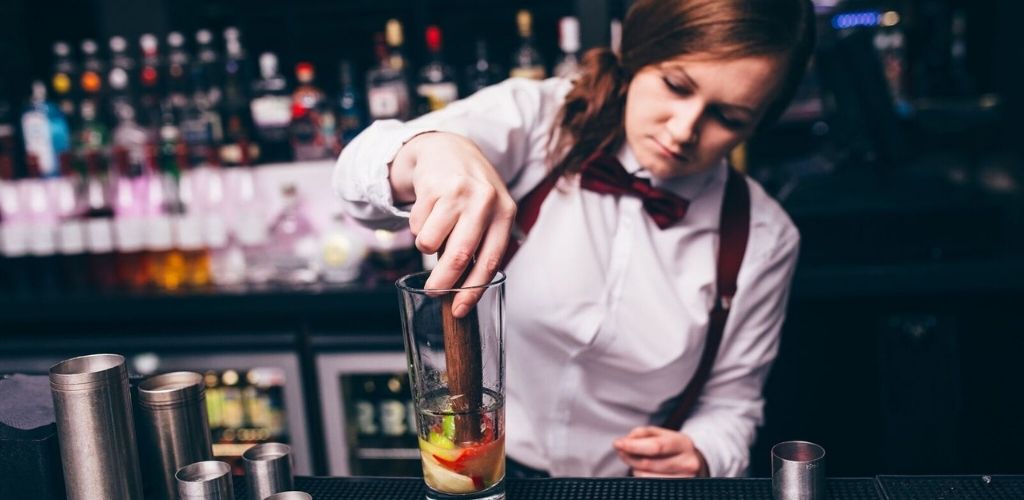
x: 252, y: 397
x: 368, y: 416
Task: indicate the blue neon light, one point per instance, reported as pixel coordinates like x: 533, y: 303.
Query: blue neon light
x: 849, y: 20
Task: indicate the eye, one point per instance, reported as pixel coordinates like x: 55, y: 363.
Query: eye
x: 728, y: 122
x: 678, y: 88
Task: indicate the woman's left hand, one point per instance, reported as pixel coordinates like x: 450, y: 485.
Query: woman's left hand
x: 658, y: 452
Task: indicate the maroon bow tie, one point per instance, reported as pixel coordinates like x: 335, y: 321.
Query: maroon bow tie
x: 602, y: 173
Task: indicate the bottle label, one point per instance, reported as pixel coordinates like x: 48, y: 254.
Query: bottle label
x: 215, y: 231
x: 272, y: 111
x: 531, y: 72
x: 99, y: 235
x: 14, y: 240
x: 392, y: 417
x: 42, y: 239
x: 188, y: 232
x: 39, y: 141
x: 159, y: 233
x: 366, y: 418
x: 384, y: 102
x: 71, y: 237
x: 438, y: 95
x: 129, y: 232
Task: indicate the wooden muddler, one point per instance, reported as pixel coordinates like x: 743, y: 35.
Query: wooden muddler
x: 462, y: 352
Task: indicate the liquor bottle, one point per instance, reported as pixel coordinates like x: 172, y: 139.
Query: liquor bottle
x: 201, y: 127
x: 207, y: 70
x: 99, y: 224
x: 292, y: 248
x: 271, y: 109
x: 92, y: 134
x: 394, y: 35
x: 249, y: 223
x: 387, y: 90
x: 227, y: 261
x: 437, y: 87
x: 6, y: 126
x: 178, y: 72
x: 342, y: 251
x: 69, y: 197
x: 163, y: 264
x: 150, y: 86
x: 391, y: 408
x: 235, y: 116
x: 483, y: 72
x: 119, y: 77
x: 45, y: 130
x: 364, y: 406
x: 526, y: 60
x: 188, y: 226
x: 569, y: 42
x: 93, y: 73
x: 351, y: 117
x: 13, y: 234
x: 313, y: 132
x: 62, y: 83
x: 130, y: 222
x: 42, y: 229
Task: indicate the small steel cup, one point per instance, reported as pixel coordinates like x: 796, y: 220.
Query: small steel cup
x: 798, y: 471
x: 210, y: 480
x: 268, y: 469
x: 290, y: 495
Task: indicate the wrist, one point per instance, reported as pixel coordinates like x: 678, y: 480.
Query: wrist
x: 400, y: 170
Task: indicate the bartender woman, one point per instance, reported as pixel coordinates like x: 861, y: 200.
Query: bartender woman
x: 619, y: 242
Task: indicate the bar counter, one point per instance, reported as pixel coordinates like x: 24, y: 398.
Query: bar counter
x: 880, y: 487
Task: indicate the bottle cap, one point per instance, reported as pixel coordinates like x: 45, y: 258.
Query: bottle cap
x: 89, y: 47
x: 524, y: 21
x: 304, y: 72
x: 268, y: 64
x: 434, y: 39
x: 175, y: 39
x: 393, y: 31
x: 204, y: 37
x: 118, y: 44
x: 61, y: 48
x: 149, y: 44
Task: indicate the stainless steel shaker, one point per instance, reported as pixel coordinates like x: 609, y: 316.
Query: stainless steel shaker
x: 209, y: 480
x: 95, y: 428
x: 173, y: 428
x: 268, y: 469
x: 290, y: 495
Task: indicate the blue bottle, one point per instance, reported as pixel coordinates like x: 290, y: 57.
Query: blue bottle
x: 45, y: 130
x: 351, y: 118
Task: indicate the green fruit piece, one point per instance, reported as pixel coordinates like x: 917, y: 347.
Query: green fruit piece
x: 448, y: 424
x: 441, y: 441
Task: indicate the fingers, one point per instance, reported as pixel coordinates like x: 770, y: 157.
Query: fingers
x: 652, y: 441
x: 460, y: 249
x: 488, y: 260
x: 435, y: 228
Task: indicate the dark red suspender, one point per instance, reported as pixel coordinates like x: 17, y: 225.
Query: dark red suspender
x: 734, y: 230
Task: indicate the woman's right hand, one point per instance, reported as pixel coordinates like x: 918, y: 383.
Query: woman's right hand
x: 460, y: 204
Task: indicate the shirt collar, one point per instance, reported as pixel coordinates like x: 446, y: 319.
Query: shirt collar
x: 687, y: 186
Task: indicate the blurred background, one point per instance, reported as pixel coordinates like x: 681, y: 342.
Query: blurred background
x: 164, y: 172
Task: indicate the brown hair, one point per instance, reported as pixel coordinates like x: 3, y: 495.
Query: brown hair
x: 658, y: 30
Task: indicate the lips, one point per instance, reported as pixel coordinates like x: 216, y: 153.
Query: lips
x: 668, y: 152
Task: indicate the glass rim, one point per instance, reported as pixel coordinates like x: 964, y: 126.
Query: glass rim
x: 400, y: 283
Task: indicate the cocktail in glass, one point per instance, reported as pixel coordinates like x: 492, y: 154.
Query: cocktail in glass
x: 457, y: 374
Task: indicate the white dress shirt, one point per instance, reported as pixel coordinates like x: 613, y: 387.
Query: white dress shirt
x: 607, y: 313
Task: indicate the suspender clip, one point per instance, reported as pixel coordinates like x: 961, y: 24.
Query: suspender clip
x: 725, y: 302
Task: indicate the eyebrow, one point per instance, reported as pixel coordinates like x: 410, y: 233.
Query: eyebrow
x: 678, y: 68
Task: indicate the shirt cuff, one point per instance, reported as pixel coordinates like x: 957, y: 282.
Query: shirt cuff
x: 704, y: 433
x: 380, y: 185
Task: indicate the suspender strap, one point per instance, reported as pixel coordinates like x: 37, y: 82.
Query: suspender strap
x: 734, y: 230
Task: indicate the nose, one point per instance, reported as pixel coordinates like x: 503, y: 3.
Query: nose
x: 684, y: 124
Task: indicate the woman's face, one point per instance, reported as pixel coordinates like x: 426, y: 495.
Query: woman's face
x: 685, y: 114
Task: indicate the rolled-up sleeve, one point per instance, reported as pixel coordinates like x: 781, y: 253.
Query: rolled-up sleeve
x: 509, y: 122
x: 724, y: 423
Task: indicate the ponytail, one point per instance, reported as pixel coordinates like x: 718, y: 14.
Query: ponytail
x: 591, y: 119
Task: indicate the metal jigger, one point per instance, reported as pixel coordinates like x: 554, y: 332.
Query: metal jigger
x: 268, y: 469
x: 798, y: 471
x: 210, y: 480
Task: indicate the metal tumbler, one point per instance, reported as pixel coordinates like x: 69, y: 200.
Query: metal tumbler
x: 95, y: 428
x: 210, y: 480
x: 290, y: 495
x: 173, y: 428
x: 798, y: 471
x: 268, y: 469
